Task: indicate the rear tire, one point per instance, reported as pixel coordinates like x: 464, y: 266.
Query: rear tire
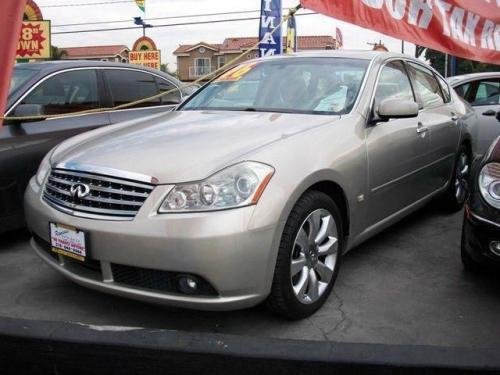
x: 308, y: 258
x: 458, y: 189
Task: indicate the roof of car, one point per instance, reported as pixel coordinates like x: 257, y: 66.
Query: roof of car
x: 351, y: 54
x: 472, y: 76
x: 53, y: 66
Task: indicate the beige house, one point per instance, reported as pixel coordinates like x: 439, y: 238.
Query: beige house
x: 116, y: 53
x: 196, y: 60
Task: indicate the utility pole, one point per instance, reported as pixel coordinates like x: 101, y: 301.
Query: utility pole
x: 140, y: 22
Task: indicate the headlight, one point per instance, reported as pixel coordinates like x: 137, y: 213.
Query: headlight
x: 44, y: 168
x: 489, y: 184
x: 236, y: 186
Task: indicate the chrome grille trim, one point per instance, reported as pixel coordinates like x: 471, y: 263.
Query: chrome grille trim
x: 110, y: 198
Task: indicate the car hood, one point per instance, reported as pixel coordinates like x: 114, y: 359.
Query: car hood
x: 183, y: 146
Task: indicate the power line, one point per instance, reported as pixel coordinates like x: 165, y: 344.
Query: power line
x: 160, y: 18
x: 170, y: 25
x: 86, y: 4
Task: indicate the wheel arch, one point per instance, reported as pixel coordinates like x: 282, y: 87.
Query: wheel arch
x: 328, y: 182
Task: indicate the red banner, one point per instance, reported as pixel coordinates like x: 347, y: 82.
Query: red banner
x: 11, y: 17
x: 464, y: 28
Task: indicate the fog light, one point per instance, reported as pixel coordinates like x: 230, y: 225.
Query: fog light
x: 188, y: 285
x: 495, y: 247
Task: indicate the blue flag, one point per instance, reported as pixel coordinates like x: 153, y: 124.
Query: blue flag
x: 270, y: 18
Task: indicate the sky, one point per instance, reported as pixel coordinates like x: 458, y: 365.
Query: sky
x: 169, y: 38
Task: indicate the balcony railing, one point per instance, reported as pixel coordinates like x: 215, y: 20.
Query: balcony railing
x: 199, y: 71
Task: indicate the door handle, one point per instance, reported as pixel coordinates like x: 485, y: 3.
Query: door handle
x: 421, y: 129
x: 489, y: 113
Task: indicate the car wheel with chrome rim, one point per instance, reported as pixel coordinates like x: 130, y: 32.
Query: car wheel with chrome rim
x: 457, y: 191
x: 308, y: 258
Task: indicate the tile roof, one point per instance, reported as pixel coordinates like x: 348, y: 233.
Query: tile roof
x: 184, y: 48
x: 236, y: 44
x: 93, y: 51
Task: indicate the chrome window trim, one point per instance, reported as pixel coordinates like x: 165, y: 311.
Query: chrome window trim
x: 38, y: 83
x: 111, y: 172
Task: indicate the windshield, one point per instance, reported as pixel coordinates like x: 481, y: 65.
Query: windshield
x: 20, y: 76
x: 298, y: 85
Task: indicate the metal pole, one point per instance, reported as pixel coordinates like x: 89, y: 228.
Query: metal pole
x: 403, y: 46
x: 446, y: 65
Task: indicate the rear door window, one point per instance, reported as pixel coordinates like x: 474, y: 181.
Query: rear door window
x: 67, y: 92
x: 129, y: 86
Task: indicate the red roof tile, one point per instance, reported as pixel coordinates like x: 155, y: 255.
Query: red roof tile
x: 93, y: 51
x: 237, y: 44
x: 184, y: 48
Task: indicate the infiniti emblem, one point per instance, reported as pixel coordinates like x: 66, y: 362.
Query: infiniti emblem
x: 79, y: 190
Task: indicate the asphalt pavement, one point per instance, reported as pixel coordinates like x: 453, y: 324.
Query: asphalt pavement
x: 404, y: 286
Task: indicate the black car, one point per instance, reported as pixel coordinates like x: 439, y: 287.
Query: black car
x: 65, y: 87
x: 481, y: 228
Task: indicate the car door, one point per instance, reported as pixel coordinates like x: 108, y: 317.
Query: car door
x: 24, y: 143
x: 128, y: 85
x: 437, y: 116
x: 396, y: 149
x: 484, y: 96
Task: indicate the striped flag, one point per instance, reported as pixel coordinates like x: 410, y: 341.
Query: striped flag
x: 291, y: 36
x: 141, y: 4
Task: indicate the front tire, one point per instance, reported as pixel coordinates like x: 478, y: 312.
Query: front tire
x: 468, y: 262
x: 456, y: 194
x: 309, y: 257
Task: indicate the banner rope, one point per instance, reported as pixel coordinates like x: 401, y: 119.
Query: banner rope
x: 290, y: 14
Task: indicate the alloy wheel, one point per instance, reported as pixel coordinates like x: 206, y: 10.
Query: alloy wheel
x: 314, y: 256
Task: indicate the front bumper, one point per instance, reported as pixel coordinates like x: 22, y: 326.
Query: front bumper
x: 478, y: 234
x: 218, y: 247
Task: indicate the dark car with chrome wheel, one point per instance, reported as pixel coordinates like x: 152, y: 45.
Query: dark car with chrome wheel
x: 481, y: 229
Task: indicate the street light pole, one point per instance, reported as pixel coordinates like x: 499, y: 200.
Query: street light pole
x: 140, y: 22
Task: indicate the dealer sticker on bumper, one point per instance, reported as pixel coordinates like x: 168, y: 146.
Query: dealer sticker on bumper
x: 68, y: 241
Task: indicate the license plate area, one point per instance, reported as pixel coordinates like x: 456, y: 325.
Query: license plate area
x: 68, y: 241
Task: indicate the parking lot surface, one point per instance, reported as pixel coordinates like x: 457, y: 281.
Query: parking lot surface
x: 404, y: 286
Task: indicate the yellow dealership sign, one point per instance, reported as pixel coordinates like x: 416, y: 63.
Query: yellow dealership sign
x: 150, y: 59
x: 34, y: 41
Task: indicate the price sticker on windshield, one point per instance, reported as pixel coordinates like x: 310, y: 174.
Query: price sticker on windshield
x: 237, y: 73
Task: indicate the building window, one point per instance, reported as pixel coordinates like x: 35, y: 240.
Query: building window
x: 221, y: 61
x: 202, y: 66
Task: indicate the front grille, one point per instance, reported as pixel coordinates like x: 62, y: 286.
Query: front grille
x: 163, y: 281
x: 109, y: 197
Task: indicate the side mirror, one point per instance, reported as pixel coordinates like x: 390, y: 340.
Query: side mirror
x: 395, y: 108
x: 28, y: 110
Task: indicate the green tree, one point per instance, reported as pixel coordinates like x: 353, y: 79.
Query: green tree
x: 437, y: 60
x: 57, y: 53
